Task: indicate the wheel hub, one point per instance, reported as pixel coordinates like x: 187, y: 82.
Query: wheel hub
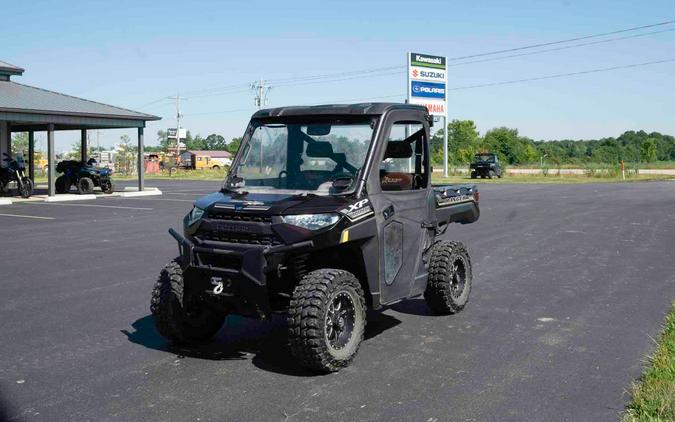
x: 339, y: 323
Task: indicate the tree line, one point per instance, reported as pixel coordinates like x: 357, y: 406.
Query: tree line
x: 213, y: 142
x: 464, y: 141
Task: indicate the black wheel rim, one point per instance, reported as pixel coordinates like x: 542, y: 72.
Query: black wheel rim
x: 340, y: 318
x: 458, y: 280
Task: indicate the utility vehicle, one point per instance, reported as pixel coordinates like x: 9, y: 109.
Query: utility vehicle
x: 327, y: 210
x: 486, y: 165
x: 15, y: 171
x: 85, y: 176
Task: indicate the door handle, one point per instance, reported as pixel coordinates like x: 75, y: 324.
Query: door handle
x: 388, y: 212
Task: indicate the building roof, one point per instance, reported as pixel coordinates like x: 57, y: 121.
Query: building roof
x: 361, y: 109
x: 10, y: 69
x: 20, y: 98
x: 212, y: 154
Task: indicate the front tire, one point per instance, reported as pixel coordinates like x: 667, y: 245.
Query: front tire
x: 450, y: 278
x: 26, y: 187
x: 107, y: 186
x: 174, y: 319
x: 327, y: 319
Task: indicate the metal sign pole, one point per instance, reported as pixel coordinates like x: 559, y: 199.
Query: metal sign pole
x: 445, y: 143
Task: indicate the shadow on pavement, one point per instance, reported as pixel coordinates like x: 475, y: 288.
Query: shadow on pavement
x: 412, y: 307
x: 242, y: 337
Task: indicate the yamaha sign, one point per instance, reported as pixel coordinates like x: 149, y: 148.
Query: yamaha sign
x: 427, y: 80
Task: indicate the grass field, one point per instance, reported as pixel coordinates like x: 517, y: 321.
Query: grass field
x: 512, y: 178
x: 654, y: 395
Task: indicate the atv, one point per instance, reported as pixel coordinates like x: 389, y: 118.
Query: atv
x: 327, y: 211
x: 15, y: 171
x: 485, y: 165
x: 85, y: 176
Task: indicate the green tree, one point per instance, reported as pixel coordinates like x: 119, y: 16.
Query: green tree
x: 649, y: 150
x: 233, y: 145
x: 215, y: 142
x: 20, y: 143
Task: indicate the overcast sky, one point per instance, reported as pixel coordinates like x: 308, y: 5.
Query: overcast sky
x: 132, y: 53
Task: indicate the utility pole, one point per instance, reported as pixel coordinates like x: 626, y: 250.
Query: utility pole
x: 260, y: 100
x: 178, y: 117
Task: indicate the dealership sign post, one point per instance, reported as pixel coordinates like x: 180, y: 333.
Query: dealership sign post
x: 427, y: 83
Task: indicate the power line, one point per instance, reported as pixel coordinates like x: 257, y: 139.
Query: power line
x: 585, y: 37
x: 560, y: 75
x: 561, y: 48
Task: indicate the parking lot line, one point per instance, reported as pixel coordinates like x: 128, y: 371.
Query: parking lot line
x: 96, y: 206
x: 27, y: 216
x: 163, y: 199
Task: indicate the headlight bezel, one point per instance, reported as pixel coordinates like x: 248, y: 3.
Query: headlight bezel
x: 194, y: 216
x: 312, y: 222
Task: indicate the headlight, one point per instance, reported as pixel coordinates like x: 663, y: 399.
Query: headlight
x: 311, y: 221
x: 195, y: 215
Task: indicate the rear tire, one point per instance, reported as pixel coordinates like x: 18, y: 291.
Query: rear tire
x: 62, y: 184
x: 450, y: 278
x: 85, y: 185
x: 326, y: 319
x: 473, y: 175
x: 172, y: 318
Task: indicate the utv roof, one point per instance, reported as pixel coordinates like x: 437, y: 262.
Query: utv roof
x: 361, y: 109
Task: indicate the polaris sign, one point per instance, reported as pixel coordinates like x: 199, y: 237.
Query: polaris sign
x: 427, y: 78
x: 427, y: 89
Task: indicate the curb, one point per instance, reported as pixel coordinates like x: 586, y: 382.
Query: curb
x: 132, y: 194
x: 69, y: 197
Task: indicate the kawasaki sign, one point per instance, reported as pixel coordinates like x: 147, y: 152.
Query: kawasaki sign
x: 427, y: 79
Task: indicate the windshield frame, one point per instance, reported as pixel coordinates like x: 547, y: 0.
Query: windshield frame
x: 373, y: 120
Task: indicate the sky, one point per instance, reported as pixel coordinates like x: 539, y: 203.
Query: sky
x: 135, y: 54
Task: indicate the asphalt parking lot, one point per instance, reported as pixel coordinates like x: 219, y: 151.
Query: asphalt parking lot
x: 571, y: 283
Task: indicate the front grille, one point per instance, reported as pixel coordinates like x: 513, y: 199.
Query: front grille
x: 240, y: 217
x: 243, y: 238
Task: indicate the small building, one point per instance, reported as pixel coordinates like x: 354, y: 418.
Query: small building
x: 29, y: 109
x: 205, y: 159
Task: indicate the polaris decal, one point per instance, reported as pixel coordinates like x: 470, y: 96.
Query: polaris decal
x: 358, y: 210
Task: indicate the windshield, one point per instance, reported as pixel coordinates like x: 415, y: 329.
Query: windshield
x: 322, y: 156
x: 488, y: 158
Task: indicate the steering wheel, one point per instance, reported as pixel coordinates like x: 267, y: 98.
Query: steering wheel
x: 279, y: 177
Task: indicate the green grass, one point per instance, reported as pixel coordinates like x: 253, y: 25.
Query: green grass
x: 553, y: 179
x: 654, y: 395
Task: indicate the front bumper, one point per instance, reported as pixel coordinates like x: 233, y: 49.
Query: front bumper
x: 241, y: 267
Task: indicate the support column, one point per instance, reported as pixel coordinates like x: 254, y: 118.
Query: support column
x: 141, y: 167
x: 9, y: 138
x: 31, y: 155
x: 83, y: 146
x: 51, y: 160
x: 4, y: 140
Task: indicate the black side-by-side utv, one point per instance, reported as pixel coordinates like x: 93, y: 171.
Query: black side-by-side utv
x: 327, y: 211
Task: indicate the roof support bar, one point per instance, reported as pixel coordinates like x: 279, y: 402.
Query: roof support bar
x: 51, y: 160
x: 141, y: 167
x: 83, y: 146
x: 31, y: 155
